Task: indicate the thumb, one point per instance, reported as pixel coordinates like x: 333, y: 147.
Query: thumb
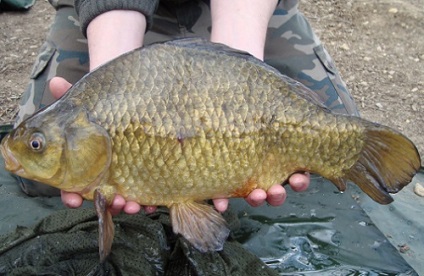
x: 58, y: 86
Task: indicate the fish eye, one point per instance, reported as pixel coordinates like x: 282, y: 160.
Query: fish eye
x: 37, y: 142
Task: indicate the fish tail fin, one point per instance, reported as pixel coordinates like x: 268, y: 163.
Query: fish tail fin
x: 200, y: 224
x: 387, y: 163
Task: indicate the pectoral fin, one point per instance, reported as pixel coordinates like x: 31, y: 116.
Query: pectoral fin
x: 106, y: 226
x: 200, y: 224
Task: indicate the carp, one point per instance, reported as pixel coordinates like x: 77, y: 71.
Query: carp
x: 177, y: 123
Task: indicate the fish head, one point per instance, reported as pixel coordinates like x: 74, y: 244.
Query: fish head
x: 64, y: 150
x: 34, y: 151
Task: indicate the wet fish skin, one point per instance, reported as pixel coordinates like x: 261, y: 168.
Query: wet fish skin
x: 176, y: 123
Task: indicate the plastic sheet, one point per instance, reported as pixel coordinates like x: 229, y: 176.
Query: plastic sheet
x: 6, y: 5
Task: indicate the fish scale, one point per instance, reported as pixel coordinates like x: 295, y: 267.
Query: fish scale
x: 184, y: 121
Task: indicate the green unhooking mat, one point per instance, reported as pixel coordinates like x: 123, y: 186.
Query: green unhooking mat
x: 65, y: 243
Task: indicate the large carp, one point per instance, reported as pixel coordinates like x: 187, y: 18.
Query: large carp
x: 180, y: 122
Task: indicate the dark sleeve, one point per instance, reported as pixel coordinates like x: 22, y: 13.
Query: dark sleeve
x: 87, y: 10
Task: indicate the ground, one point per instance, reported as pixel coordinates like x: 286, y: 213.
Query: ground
x: 378, y: 47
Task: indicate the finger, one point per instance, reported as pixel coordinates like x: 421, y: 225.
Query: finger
x: 132, y: 207
x: 58, y: 86
x: 256, y: 198
x: 221, y: 204
x: 299, y: 182
x: 150, y: 209
x: 276, y: 195
x: 71, y: 200
x: 118, y: 205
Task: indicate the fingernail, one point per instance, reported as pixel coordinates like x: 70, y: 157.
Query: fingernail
x: 276, y: 197
x: 257, y: 203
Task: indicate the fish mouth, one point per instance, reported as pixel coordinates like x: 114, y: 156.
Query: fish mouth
x: 11, y: 164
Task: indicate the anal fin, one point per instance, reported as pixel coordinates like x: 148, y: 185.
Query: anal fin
x: 340, y: 183
x: 200, y: 224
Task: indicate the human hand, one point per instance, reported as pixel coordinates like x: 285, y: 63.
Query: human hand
x: 276, y: 195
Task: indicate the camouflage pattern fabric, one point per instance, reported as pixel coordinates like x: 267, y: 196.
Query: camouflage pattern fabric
x: 291, y: 47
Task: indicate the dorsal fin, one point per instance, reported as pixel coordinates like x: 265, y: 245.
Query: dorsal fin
x: 203, y: 44
x: 306, y: 93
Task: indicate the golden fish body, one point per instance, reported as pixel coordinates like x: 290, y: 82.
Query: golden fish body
x: 180, y: 122
x: 203, y: 129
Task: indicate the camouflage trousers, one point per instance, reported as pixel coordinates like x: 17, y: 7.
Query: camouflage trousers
x: 291, y: 47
